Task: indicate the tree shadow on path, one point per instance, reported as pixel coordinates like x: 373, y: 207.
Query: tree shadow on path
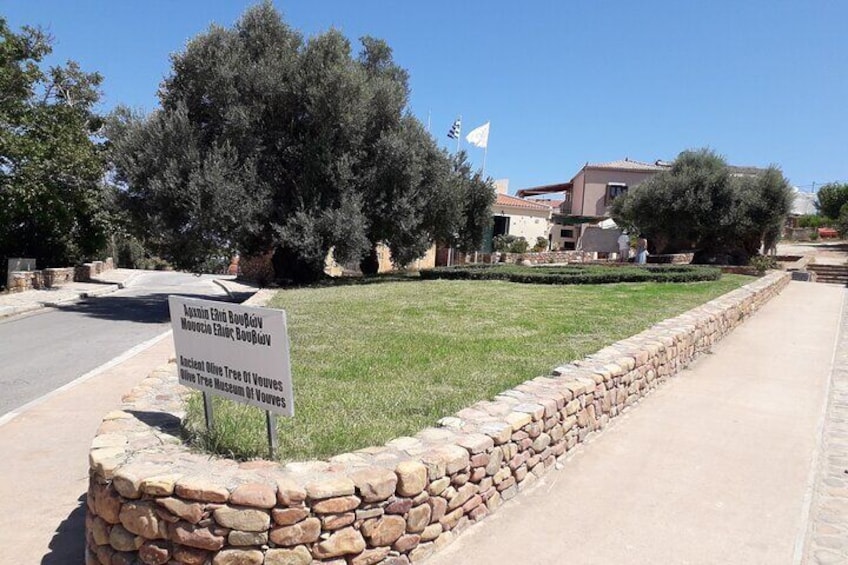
x: 147, y: 309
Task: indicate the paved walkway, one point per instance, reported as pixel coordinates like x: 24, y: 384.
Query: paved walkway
x: 717, y: 466
x: 827, y: 534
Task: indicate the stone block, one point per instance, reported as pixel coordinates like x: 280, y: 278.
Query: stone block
x: 141, y: 518
x: 243, y: 518
x: 204, y: 490
x: 254, y: 495
x: 383, y: 531
x: 336, y: 505
x: 411, y: 478
x: 195, y: 536
x: 374, y: 484
x: 343, y: 542
x: 297, y: 556
x: 239, y: 557
x: 289, y: 493
x: 303, y: 532
x: 330, y: 486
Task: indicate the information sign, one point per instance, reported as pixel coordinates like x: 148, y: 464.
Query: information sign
x: 238, y: 352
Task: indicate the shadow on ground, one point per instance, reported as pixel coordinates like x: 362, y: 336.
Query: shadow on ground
x: 162, y: 421
x: 68, y: 543
x: 145, y: 309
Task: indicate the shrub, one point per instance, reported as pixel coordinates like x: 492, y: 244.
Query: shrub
x: 842, y: 223
x: 258, y: 269
x: 763, y: 263
x: 541, y: 245
x: 831, y: 198
x: 510, y: 244
x: 573, y: 274
x: 812, y: 221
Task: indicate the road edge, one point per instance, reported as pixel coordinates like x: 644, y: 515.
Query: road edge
x: 131, y: 352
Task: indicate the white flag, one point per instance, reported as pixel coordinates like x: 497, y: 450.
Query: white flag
x: 479, y: 137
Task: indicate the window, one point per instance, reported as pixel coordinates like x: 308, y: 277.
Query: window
x: 566, y: 233
x: 614, y: 190
x: 567, y: 246
x: 501, y: 226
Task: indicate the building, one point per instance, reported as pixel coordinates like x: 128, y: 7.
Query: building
x: 518, y: 216
x: 587, y: 198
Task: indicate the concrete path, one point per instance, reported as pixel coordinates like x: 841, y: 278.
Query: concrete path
x: 44, y: 473
x: 717, y: 466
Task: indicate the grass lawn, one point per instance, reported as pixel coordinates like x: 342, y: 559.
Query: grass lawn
x: 376, y: 361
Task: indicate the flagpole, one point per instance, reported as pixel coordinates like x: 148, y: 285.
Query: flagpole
x: 429, y: 112
x: 485, y: 152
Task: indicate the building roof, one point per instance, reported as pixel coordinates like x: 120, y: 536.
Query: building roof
x: 545, y: 189
x: 549, y: 202
x: 514, y: 202
x: 627, y: 164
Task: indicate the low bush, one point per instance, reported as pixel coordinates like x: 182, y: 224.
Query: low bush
x: 510, y: 244
x: 575, y: 274
x: 763, y: 263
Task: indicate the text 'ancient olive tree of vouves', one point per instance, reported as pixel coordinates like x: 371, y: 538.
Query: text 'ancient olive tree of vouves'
x: 700, y: 204
x: 266, y: 141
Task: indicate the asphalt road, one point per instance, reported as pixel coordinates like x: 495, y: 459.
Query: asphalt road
x: 41, y: 352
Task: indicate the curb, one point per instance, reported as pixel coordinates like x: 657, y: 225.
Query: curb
x: 223, y: 287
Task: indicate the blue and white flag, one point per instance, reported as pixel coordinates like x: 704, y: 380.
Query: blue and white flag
x: 455, y: 129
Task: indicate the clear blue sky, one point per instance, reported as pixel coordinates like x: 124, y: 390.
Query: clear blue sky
x: 562, y: 82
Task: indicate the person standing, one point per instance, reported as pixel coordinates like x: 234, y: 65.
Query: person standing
x: 623, y: 247
x: 641, y: 251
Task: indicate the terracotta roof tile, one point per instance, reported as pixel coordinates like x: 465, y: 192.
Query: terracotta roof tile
x: 514, y: 202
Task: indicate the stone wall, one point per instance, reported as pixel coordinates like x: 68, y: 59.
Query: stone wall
x: 549, y: 257
x: 152, y: 500
x: 44, y: 278
x: 671, y: 258
x: 87, y: 271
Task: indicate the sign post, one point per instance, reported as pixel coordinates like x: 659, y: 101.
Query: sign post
x: 238, y: 352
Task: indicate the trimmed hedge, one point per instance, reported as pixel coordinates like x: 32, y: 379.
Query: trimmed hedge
x: 575, y: 274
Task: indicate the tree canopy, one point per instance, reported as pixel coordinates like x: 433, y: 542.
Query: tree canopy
x: 266, y: 140
x: 700, y: 204
x: 52, y: 198
x: 831, y: 198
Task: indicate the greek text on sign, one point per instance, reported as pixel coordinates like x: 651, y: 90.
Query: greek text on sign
x: 238, y: 352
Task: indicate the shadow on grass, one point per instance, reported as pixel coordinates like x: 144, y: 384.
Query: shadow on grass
x: 68, y: 542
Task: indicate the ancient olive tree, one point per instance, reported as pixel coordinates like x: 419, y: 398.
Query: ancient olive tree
x: 700, y: 204
x: 267, y: 141
x: 51, y: 168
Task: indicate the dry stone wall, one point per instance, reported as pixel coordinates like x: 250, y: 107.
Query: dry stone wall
x: 36, y: 280
x: 153, y: 501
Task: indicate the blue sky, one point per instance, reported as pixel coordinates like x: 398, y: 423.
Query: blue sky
x: 562, y: 82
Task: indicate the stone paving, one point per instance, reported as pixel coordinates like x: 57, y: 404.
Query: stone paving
x: 827, y: 536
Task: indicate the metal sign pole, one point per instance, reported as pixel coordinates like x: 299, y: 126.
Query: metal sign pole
x: 271, y: 425
x: 207, y: 410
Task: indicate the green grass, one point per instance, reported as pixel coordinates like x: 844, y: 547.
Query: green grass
x: 374, y: 362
